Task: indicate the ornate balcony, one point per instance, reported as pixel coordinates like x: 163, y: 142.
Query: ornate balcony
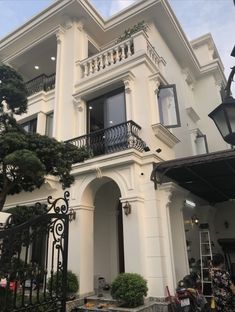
x: 120, y: 52
x: 40, y: 83
x: 114, y: 139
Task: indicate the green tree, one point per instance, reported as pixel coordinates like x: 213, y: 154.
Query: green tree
x: 26, y: 158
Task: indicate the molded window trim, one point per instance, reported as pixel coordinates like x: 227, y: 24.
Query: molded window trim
x: 164, y: 112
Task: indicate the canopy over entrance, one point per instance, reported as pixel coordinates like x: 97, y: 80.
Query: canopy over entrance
x: 209, y: 176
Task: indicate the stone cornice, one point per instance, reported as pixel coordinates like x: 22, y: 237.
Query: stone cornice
x: 192, y: 114
x: 163, y: 134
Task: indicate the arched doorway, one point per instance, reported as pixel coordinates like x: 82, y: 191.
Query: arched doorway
x: 108, y: 231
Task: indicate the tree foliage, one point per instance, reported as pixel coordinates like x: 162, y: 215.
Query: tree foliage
x: 26, y: 158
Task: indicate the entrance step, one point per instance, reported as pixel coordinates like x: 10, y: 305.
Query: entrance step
x: 95, y: 304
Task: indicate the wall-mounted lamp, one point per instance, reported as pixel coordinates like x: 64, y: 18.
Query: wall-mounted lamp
x: 72, y: 215
x: 127, y: 208
x: 195, y: 220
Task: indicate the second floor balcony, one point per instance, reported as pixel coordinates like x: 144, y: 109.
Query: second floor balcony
x: 119, y: 53
x: 110, y: 140
x: 40, y: 83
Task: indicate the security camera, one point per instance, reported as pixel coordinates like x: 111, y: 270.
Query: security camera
x: 158, y: 150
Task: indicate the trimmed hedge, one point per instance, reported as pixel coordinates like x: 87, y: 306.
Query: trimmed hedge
x: 130, y: 289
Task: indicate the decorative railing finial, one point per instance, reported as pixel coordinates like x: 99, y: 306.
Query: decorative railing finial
x: 60, y: 205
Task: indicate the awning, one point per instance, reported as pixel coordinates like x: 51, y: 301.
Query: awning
x: 209, y: 176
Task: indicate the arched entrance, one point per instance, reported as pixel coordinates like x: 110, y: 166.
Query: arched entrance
x: 108, y: 231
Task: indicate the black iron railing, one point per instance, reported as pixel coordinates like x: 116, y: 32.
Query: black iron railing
x: 114, y: 139
x: 40, y: 83
x: 31, y: 282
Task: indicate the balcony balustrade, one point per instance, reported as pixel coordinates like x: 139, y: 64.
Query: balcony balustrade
x: 40, y: 83
x: 113, y: 139
x: 120, y: 52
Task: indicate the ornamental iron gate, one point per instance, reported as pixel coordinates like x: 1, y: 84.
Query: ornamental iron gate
x: 33, y: 261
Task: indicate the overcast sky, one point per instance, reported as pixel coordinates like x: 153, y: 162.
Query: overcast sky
x: 197, y: 17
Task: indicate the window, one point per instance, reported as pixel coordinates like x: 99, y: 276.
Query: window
x: 168, y: 106
x: 201, y: 144
x: 49, y: 125
x: 106, y: 111
x: 30, y: 126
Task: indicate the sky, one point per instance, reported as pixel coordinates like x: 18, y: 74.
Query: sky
x: 197, y: 17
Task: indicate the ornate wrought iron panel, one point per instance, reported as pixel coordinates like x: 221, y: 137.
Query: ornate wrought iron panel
x: 33, y: 261
x: 113, y: 139
x: 41, y: 83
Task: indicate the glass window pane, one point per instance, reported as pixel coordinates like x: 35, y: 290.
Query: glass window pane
x: 220, y: 121
x: 168, y: 107
x: 115, y: 109
x: 30, y: 126
x: 231, y: 116
x: 201, y: 144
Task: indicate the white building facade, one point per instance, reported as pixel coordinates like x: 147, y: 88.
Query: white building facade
x: 133, y: 101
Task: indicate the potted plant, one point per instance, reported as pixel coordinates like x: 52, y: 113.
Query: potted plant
x: 129, y: 289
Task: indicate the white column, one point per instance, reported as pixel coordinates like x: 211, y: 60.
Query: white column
x: 172, y: 225
x: 133, y: 234
x: 41, y: 123
x: 80, y: 119
x: 85, y: 239
x: 128, y: 83
x: 58, y: 83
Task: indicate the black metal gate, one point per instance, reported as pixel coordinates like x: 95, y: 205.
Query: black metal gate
x: 33, y: 261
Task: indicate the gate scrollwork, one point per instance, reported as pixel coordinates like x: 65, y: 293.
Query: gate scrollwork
x: 33, y: 260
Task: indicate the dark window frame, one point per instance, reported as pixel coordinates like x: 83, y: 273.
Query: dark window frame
x: 32, y: 125
x: 49, y: 115
x: 178, y: 124
x: 205, y: 141
x: 105, y: 96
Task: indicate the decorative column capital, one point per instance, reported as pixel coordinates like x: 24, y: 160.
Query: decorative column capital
x: 60, y: 34
x: 157, y: 80
x: 128, y: 86
x: 80, y: 25
x: 78, y: 104
x: 173, y: 193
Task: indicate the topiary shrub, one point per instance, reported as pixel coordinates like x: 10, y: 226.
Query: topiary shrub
x: 54, y: 284
x: 130, y: 289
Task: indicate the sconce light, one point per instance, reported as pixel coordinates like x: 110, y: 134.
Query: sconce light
x: 72, y: 215
x: 195, y: 220
x: 127, y: 208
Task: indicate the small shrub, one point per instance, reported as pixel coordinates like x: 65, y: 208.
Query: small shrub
x: 55, y: 284
x: 130, y: 289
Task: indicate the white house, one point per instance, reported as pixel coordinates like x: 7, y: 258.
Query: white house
x: 135, y: 100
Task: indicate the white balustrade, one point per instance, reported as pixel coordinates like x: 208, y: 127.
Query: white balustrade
x: 107, y: 57
x: 120, y: 52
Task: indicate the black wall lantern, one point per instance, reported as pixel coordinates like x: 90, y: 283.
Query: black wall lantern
x: 224, y: 115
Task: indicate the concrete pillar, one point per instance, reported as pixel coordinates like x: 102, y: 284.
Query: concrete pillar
x: 85, y: 239
x: 172, y: 226
x: 41, y: 123
x: 128, y: 83
x: 80, y: 126
x: 58, y: 83
x: 133, y: 233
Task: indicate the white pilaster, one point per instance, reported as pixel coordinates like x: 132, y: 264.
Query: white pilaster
x: 58, y: 83
x: 85, y: 240
x: 133, y: 229
x: 128, y: 83
x: 80, y: 117
x: 174, y: 249
x: 41, y: 123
